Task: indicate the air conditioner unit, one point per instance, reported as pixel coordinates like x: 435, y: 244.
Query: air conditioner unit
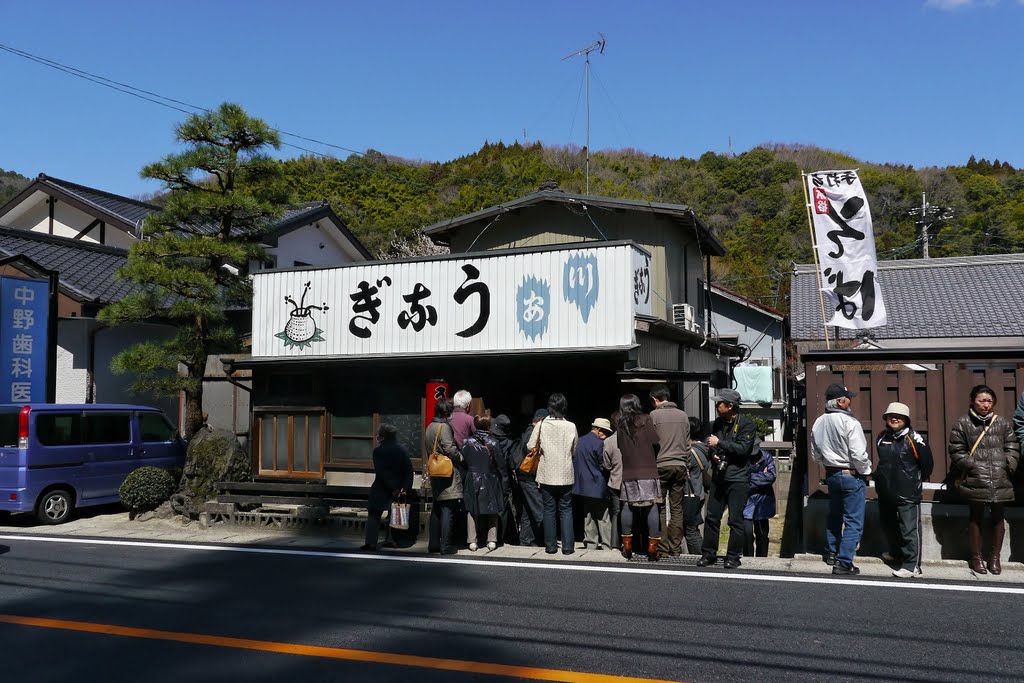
x: 683, y: 316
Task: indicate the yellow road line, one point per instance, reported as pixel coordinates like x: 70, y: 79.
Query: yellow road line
x: 527, y: 672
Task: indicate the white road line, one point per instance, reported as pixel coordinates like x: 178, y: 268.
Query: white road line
x: 865, y: 582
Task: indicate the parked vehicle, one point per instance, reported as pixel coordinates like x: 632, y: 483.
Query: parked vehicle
x: 55, y: 458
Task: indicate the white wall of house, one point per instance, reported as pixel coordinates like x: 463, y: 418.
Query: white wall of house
x: 319, y: 244
x: 74, y: 336
x: 67, y: 222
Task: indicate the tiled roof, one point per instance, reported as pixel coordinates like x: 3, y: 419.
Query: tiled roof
x: 969, y: 296
x: 88, y: 269
x: 130, y: 211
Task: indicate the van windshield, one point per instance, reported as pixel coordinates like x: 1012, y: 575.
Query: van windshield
x: 9, y: 427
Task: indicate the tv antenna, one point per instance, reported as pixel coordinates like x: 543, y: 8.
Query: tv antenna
x: 597, y: 45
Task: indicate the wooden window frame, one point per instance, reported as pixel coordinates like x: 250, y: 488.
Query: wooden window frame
x: 351, y: 465
x: 290, y: 412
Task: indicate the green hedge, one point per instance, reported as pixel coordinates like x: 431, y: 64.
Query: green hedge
x: 146, y: 489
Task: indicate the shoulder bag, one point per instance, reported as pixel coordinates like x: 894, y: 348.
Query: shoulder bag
x: 438, y: 464
x: 532, y: 458
x: 959, y: 481
x: 705, y: 468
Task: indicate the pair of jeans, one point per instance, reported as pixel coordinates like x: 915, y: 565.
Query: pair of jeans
x: 673, y: 486
x: 731, y: 495
x: 557, y: 512
x: 845, y: 523
x: 756, y: 542
x: 441, y: 515
x: 692, y: 506
x: 597, y: 521
x: 530, y: 509
x: 901, y: 522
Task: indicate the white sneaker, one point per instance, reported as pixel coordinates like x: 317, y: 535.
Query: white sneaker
x: 492, y: 546
x: 903, y: 573
x: 473, y: 547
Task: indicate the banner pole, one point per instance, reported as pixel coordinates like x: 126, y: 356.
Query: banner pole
x: 817, y: 266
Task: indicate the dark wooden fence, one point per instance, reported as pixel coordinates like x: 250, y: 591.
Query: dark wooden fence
x: 934, y: 383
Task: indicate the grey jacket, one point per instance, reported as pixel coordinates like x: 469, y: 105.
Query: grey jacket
x: 448, y: 488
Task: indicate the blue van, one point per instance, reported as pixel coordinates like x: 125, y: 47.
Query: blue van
x: 54, y: 458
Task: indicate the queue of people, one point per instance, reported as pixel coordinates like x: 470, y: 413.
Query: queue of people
x: 984, y: 450
x: 639, y: 474
x: 635, y: 475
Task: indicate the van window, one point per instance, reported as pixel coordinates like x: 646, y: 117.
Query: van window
x: 107, y: 428
x: 59, y: 429
x: 155, y: 427
x: 9, y: 428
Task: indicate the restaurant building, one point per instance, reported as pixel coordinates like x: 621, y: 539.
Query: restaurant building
x: 336, y: 351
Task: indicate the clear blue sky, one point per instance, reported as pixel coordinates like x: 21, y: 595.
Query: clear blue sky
x: 920, y: 82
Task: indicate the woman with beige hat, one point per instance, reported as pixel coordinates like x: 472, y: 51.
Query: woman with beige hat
x: 904, y: 464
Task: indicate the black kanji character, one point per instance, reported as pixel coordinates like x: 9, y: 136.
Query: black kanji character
x: 366, y: 301
x: 418, y: 316
x: 463, y: 293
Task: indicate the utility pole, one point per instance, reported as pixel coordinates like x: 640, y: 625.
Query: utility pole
x: 930, y: 215
x: 599, y: 46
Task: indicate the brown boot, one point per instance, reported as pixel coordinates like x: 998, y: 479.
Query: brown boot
x: 627, y: 546
x: 998, y: 532
x: 652, y: 550
x: 974, y: 538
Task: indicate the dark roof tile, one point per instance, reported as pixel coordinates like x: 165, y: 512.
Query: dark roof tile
x: 968, y: 296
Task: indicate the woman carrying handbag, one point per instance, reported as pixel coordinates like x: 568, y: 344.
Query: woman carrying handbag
x: 983, y: 455
x: 446, y: 491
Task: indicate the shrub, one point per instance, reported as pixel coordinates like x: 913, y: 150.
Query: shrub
x: 146, y: 489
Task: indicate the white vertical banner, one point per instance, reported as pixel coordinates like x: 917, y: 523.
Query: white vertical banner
x: 846, y: 249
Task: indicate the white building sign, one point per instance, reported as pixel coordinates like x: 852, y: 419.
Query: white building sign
x: 846, y: 250
x: 568, y: 298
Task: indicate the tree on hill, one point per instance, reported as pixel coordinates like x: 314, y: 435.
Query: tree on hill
x: 192, y: 265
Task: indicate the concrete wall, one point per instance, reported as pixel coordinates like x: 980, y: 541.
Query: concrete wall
x: 943, y: 531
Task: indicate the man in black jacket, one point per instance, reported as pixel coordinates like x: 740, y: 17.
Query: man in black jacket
x: 731, y: 442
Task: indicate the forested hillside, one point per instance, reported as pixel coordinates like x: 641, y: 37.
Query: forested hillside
x: 11, y: 184
x: 754, y: 200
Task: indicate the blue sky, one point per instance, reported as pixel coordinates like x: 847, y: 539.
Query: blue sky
x: 920, y: 82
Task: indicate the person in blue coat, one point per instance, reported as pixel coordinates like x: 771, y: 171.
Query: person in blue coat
x: 590, y: 485
x: 760, y: 505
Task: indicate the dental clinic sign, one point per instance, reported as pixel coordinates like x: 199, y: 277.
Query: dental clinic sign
x: 24, y: 317
x: 509, y: 301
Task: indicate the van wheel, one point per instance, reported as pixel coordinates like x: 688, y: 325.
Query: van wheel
x: 54, y: 507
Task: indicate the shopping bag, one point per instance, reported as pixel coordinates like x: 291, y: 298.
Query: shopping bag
x: 399, y: 515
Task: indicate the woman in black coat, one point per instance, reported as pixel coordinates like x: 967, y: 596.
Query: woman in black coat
x: 393, y: 476
x: 486, y: 483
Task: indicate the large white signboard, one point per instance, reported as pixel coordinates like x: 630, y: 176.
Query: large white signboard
x: 580, y: 298
x: 846, y: 250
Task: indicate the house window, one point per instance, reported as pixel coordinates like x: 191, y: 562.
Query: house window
x: 299, y: 264
x: 352, y: 439
x: 290, y: 443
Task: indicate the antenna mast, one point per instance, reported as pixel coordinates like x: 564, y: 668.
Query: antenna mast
x: 597, y: 45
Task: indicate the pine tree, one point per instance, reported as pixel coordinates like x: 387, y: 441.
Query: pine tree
x: 192, y: 264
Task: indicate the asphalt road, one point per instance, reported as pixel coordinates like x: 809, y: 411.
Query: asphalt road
x: 674, y: 623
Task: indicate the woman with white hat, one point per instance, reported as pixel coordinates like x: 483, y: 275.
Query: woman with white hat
x: 904, y: 463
